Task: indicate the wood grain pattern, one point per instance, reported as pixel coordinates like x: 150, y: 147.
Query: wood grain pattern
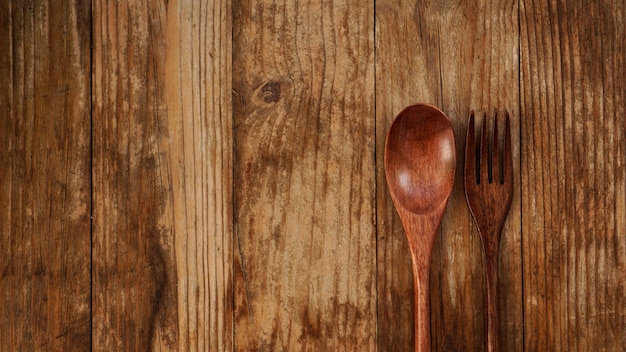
x: 305, y: 277
x: 573, y: 175
x: 287, y: 239
x: 459, y: 56
x: 162, y: 176
x: 44, y: 176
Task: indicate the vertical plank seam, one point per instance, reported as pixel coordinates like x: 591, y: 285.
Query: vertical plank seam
x: 376, y: 234
x: 433, y: 334
x: 568, y: 181
x: 233, y: 226
x: 619, y: 152
x: 553, y: 192
x: 521, y: 186
x: 12, y: 75
x: 91, y: 174
x: 601, y: 177
x: 559, y: 107
x: 572, y: 103
x: 231, y: 253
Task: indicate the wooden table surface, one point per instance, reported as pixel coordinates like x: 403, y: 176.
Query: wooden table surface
x: 208, y: 175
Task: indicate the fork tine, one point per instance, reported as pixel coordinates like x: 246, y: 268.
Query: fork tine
x: 484, y: 153
x: 496, y: 176
x: 470, y: 151
x: 508, y: 157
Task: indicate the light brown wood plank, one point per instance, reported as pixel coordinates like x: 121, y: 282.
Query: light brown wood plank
x: 162, y: 176
x: 44, y: 176
x: 305, y: 275
x: 459, y: 56
x: 574, y: 176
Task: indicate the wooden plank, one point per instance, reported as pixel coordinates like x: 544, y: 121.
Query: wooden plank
x: 305, y: 275
x: 162, y: 176
x: 574, y: 176
x: 44, y: 176
x: 460, y: 56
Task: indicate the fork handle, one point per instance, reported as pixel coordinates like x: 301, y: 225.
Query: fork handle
x: 493, y: 319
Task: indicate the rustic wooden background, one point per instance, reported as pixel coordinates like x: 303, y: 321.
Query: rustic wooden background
x: 207, y: 175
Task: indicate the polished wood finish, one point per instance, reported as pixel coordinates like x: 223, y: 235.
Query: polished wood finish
x: 332, y: 75
x: 420, y: 164
x: 488, y: 180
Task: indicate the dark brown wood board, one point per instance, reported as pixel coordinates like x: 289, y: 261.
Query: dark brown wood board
x: 190, y: 175
x: 573, y: 175
x: 45, y: 197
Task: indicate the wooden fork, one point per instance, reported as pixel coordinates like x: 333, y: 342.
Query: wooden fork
x: 489, y: 191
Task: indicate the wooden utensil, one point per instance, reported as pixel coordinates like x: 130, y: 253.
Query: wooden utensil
x: 489, y: 191
x: 420, y: 164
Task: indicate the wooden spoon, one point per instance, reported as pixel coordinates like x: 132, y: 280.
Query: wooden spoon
x: 420, y: 163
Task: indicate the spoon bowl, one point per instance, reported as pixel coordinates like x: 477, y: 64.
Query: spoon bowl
x: 420, y: 165
x: 420, y: 159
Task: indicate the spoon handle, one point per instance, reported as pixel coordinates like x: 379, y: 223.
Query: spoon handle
x: 422, y: 310
x: 421, y: 231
